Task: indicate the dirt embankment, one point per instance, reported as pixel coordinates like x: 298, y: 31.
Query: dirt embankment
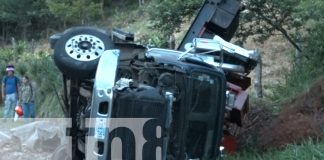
x: 300, y: 119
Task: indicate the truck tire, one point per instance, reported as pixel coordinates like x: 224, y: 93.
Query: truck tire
x: 77, y: 51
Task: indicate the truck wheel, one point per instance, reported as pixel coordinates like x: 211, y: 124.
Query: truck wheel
x: 77, y: 51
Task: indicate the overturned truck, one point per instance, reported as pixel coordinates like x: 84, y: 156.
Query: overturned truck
x: 128, y: 101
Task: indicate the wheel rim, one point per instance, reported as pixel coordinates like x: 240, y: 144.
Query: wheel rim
x: 84, y: 47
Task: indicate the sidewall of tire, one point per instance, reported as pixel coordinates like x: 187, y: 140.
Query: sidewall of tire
x: 72, y: 67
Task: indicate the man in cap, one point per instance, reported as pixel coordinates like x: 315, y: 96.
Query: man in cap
x: 9, y: 92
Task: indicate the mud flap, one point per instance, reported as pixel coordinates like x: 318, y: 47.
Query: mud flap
x: 229, y: 142
x: 102, y: 100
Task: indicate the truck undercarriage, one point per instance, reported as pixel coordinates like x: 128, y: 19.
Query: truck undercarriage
x: 185, y: 96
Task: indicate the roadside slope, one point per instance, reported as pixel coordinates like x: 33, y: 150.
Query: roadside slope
x: 301, y: 118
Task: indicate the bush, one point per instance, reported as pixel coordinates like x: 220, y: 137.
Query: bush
x: 308, y: 70
x: 43, y: 73
x: 167, y: 16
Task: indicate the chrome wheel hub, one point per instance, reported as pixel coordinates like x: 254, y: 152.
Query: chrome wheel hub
x: 84, y: 47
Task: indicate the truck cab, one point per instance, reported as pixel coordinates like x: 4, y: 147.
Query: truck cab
x: 184, y: 96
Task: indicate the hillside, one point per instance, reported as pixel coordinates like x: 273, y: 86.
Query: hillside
x: 296, y: 132
x: 301, y: 117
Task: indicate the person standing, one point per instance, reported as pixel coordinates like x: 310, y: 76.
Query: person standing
x: 26, y: 98
x: 9, y: 92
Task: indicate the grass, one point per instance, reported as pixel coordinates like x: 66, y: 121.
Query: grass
x: 309, y: 150
x: 51, y: 107
x: 46, y: 107
x: 296, y: 81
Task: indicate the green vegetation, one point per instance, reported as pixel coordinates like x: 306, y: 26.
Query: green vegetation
x: 264, y: 18
x: 44, y: 75
x: 75, y: 11
x: 309, y: 150
x: 309, y: 67
x: 168, y: 15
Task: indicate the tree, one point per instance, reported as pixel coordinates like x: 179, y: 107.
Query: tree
x: 17, y: 12
x: 265, y: 18
x: 23, y: 19
x: 75, y: 11
x: 167, y: 16
x: 312, y: 14
x: 141, y: 2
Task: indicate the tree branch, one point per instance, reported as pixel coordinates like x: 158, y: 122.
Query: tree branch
x: 283, y: 31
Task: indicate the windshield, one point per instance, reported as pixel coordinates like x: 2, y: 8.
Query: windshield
x: 205, y: 88
x: 204, y: 92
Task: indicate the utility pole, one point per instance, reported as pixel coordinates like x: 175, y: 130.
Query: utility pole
x: 298, y: 53
x: 172, y: 42
x: 258, y: 76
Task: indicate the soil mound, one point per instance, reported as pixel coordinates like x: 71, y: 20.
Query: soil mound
x: 301, y: 118
x: 259, y: 117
